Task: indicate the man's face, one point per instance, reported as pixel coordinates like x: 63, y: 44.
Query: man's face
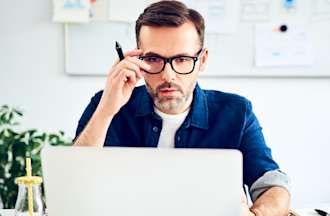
x: 172, y: 93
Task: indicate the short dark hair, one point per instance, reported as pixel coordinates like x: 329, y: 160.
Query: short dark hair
x: 172, y: 14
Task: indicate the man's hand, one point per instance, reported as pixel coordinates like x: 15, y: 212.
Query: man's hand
x: 120, y: 83
x: 245, y: 211
x: 273, y: 202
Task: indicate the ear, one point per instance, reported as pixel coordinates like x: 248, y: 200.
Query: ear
x: 203, y: 61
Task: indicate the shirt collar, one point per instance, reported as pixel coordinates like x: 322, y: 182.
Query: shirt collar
x: 197, y: 117
x: 145, y: 106
x: 199, y: 110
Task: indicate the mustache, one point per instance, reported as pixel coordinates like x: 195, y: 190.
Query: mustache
x: 169, y: 85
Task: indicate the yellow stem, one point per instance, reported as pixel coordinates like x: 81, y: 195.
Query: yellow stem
x: 30, y: 192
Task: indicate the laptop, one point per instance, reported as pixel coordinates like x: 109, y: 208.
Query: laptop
x: 120, y: 181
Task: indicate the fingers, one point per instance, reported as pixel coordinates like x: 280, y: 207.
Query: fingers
x: 130, y: 63
x: 243, y: 197
x: 129, y: 70
x: 130, y: 56
x: 125, y: 65
x: 126, y: 77
x: 140, y: 63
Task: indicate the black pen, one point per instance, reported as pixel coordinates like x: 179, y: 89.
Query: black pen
x: 320, y: 212
x: 119, y: 51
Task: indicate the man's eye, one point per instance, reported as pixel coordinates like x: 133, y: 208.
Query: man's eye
x: 182, y: 59
x: 152, y: 59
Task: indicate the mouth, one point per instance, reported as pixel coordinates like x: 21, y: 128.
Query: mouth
x: 168, y: 91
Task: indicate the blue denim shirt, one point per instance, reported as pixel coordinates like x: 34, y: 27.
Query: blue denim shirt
x: 215, y: 120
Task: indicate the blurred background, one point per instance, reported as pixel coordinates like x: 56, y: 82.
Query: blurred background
x: 290, y: 99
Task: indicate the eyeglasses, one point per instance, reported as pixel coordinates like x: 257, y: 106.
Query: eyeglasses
x: 180, y: 64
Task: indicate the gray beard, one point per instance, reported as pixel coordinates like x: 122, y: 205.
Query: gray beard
x: 169, y: 104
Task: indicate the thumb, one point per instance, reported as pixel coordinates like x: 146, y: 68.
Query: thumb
x: 243, y: 197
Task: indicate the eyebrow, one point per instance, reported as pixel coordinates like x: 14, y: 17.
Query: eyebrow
x: 157, y: 55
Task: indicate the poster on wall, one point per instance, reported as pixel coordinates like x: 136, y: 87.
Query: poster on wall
x: 71, y: 11
x: 281, y: 44
x: 221, y: 16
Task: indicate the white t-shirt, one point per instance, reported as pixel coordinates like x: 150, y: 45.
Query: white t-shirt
x: 171, y: 124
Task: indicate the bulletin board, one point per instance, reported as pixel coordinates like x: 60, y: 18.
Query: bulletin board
x: 90, y: 48
x: 247, y: 42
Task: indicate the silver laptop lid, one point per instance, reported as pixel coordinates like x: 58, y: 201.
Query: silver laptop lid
x: 141, y: 181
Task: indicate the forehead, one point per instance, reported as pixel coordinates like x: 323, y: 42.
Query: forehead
x: 168, y: 41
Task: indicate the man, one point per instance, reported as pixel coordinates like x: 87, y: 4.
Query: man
x: 171, y: 110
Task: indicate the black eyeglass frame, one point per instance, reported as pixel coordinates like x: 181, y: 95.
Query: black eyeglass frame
x: 170, y: 60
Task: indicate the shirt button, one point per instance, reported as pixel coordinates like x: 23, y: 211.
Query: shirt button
x: 155, y: 129
x: 179, y: 138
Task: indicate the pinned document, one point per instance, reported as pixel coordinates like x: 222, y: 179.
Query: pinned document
x: 99, y: 10
x: 283, y: 44
x: 255, y: 10
x: 71, y: 11
x: 221, y: 16
x: 321, y: 9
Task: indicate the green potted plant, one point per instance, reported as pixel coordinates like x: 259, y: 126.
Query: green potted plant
x: 15, y: 146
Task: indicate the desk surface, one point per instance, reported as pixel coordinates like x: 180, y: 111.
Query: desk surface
x: 307, y: 212
x: 301, y: 212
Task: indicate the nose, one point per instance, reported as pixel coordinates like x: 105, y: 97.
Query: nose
x: 168, y: 74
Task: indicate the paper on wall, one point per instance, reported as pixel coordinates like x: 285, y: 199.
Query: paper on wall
x: 276, y: 48
x: 99, y: 10
x: 255, y: 10
x: 221, y: 16
x: 321, y: 9
x: 71, y: 11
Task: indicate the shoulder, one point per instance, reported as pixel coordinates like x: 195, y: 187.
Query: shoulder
x: 97, y: 96
x: 220, y: 98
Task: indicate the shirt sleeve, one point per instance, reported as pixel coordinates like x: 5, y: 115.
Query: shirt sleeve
x: 87, y: 114
x: 257, y: 158
x: 268, y: 180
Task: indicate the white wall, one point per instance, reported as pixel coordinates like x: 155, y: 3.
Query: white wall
x: 295, y: 113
